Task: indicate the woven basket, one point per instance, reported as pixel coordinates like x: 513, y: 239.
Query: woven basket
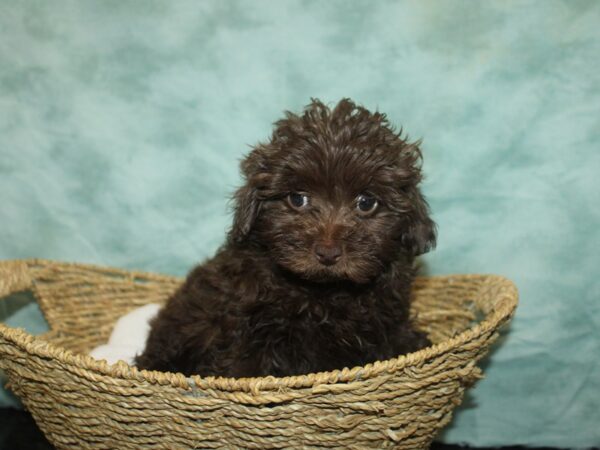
x: 82, y: 403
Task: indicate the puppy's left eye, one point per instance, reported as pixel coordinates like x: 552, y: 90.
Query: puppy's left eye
x: 366, y: 204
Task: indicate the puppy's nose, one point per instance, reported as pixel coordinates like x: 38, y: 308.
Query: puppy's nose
x: 327, y: 253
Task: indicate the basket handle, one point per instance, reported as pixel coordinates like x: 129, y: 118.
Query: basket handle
x: 14, y: 277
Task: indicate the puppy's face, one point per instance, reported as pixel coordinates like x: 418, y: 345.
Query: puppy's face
x: 333, y: 195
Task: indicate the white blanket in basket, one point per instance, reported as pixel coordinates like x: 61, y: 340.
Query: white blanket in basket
x: 128, y: 338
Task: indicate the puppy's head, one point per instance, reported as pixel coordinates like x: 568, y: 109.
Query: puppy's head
x: 334, y: 195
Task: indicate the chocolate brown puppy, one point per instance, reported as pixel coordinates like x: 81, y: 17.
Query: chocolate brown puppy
x: 317, y: 269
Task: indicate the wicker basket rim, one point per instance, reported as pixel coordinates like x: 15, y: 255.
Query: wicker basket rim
x: 82, y: 363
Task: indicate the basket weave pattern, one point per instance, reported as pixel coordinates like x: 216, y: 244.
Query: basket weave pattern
x: 82, y: 403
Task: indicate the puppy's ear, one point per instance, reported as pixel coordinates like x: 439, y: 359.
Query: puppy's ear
x: 246, y: 199
x: 421, y: 234
x: 246, y: 210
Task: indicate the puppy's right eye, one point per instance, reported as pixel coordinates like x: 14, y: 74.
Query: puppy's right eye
x: 297, y: 200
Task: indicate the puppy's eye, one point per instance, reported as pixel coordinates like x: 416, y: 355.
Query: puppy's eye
x: 297, y: 200
x: 366, y: 204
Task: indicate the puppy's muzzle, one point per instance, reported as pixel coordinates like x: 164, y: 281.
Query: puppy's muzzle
x: 327, y: 253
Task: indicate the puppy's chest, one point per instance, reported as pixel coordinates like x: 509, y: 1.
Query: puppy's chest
x: 307, y: 316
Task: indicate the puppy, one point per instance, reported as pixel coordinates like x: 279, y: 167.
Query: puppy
x: 317, y: 269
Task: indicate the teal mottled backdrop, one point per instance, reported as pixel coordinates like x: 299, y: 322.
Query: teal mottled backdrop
x: 122, y: 124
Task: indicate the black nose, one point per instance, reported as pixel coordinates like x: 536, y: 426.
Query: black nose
x: 327, y: 253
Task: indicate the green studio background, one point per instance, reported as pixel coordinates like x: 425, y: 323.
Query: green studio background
x: 122, y: 124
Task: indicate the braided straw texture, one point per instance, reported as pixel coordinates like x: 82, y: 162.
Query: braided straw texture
x: 83, y: 403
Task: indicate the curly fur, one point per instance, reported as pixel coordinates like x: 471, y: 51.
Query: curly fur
x: 265, y: 304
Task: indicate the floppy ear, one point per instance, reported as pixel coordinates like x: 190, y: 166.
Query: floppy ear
x: 246, y: 210
x: 246, y: 199
x: 421, y: 235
